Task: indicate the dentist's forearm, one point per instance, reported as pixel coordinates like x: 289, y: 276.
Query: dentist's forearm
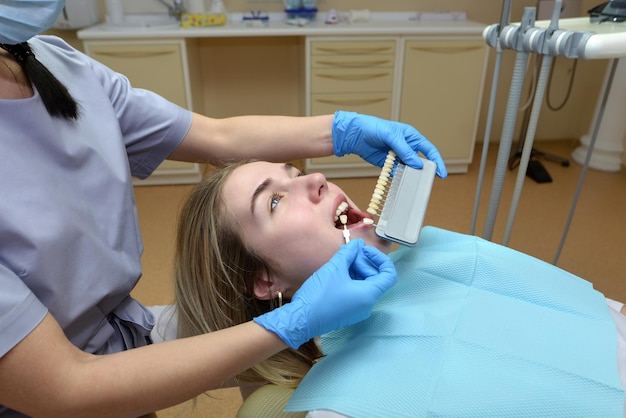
x: 271, y: 138
x: 45, y: 375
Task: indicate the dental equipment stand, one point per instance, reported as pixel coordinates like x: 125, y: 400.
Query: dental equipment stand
x: 596, y: 41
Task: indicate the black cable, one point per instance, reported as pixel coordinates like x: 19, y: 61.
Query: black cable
x: 569, y: 88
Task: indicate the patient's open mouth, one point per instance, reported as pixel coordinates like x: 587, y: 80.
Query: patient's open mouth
x: 352, y: 215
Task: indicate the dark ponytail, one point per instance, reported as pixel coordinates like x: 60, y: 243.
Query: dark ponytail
x: 54, y: 94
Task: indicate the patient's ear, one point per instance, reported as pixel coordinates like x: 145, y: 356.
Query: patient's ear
x: 263, y: 287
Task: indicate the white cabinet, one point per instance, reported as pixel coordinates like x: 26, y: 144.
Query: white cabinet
x: 432, y: 83
x: 432, y: 80
x: 353, y: 74
x: 442, y: 81
x: 160, y: 66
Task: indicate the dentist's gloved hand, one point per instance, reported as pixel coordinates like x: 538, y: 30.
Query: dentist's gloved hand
x: 341, y: 293
x: 371, y: 138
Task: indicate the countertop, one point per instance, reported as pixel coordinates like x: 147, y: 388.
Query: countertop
x: 383, y: 23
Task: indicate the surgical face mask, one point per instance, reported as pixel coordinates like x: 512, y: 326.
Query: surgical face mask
x: 20, y: 20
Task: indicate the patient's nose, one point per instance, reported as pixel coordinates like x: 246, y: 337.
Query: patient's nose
x: 315, y: 185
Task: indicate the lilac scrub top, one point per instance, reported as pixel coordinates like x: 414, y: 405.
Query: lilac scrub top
x: 69, y: 235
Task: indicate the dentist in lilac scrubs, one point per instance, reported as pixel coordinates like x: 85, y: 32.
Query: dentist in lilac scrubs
x: 73, y: 135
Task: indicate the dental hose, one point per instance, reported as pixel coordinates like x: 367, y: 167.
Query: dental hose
x: 517, y: 82
x: 504, y: 20
x: 540, y: 88
x: 528, y: 143
x: 485, y: 150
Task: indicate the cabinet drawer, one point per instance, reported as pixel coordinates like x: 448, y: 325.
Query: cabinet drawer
x: 352, y: 61
x: 368, y: 103
x: 352, y: 80
x: 352, y: 47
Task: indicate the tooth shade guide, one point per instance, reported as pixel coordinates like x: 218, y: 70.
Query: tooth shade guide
x: 382, y: 185
x: 343, y: 206
x: 346, y: 232
x: 400, y: 199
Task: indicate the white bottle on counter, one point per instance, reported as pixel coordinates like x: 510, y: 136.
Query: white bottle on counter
x: 217, y: 7
x: 115, y: 11
x: 195, y: 6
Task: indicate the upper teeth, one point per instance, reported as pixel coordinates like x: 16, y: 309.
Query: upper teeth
x: 343, y: 207
x: 342, y: 215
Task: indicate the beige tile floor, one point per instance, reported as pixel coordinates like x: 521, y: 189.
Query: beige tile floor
x: 594, y: 248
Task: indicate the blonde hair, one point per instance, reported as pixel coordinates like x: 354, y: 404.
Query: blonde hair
x: 215, y: 273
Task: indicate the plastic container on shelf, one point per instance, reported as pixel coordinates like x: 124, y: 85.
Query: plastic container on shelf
x: 215, y: 16
x: 115, y: 11
x: 195, y: 6
x: 301, y: 13
x: 292, y: 4
x: 301, y: 9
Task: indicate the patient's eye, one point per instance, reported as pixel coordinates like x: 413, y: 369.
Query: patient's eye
x: 274, y: 201
x: 276, y: 197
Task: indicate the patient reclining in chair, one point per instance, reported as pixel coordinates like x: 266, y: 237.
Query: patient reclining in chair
x: 471, y: 328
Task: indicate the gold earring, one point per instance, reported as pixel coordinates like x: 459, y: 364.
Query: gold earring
x: 280, y: 298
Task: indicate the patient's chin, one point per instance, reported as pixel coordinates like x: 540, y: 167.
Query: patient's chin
x: 383, y: 245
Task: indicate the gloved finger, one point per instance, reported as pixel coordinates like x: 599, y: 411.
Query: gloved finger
x: 404, y: 151
x: 362, y: 267
x: 386, y: 275
x: 419, y: 143
x: 408, y: 156
x: 334, y: 269
x: 347, y: 253
x: 379, y: 259
x: 433, y: 155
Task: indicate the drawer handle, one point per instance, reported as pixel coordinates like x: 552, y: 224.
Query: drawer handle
x: 352, y: 77
x: 134, y: 54
x: 353, y: 63
x: 446, y: 50
x: 352, y: 50
x: 353, y: 102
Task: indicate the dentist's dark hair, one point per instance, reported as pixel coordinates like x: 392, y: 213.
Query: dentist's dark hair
x: 55, y: 96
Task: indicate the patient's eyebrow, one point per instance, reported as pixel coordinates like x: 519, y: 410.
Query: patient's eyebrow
x: 265, y: 184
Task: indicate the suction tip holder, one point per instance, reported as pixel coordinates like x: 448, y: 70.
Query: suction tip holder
x: 526, y: 37
x: 512, y: 36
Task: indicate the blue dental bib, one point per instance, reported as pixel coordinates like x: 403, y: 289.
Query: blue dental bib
x: 472, y: 328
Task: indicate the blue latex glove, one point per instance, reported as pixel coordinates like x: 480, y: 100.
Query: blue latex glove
x: 341, y: 293
x: 371, y: 138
